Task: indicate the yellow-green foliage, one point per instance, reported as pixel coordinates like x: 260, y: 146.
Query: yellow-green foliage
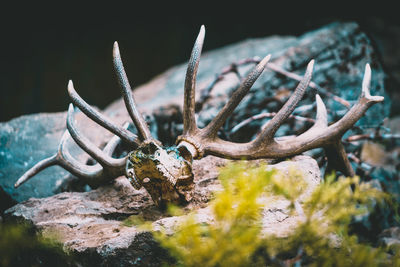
x: 235, y: 238
x: 20, y: 246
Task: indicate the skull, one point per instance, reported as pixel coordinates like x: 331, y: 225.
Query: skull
x: 166, y: 173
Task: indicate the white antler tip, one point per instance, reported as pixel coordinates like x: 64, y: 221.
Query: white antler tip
x: 126, y: 125
x: 367, y: 68
x: 261, y: 66
x: 318, y: 98
x: 202, y: 32
x: 17, y: 184
x: 311, y: 64
x: 366, y: 84
x: 265, y: 60
x: 116, y: 48
x: 322, y: 115
x: 376, y: 98
x: 70, y: 108
x: 366, y: 81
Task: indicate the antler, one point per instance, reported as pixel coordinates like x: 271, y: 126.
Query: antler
x: 107, y: 168
x: 137, y: 118
x: 205, y: 141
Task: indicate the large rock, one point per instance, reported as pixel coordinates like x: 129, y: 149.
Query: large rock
x: 92, y: 228
x: 28, y: 139
x: 341, y: 51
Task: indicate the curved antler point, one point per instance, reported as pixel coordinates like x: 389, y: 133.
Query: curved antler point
x: 322, y: 115
x: 202, y: 30
x: 70, y: 107
x: 366, y: 83
x: 70, y: 87
x: 116, y: 49
x: 266, y: 59
x: 310, y: 65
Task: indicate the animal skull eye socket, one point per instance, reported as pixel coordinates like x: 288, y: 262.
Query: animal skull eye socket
x: 185, y: 153
x: 152, y: 148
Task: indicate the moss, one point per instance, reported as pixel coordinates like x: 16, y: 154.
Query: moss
x: 235, y: 237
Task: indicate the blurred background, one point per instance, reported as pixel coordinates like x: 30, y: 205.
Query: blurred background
x: 43, y: 46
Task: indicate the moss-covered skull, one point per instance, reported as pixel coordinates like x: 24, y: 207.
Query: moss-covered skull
x: 166, y: 173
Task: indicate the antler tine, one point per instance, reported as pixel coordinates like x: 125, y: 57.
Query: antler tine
x: 320, y: 124
x: 213, y: 127
x: 357, y: 110
x: 63, y: 159
x: 38, y: 167
x: 88, y: 146
x: 137, y: 118
x: 366, y: 84
x: 330, y: 137
x: 321, y: 119
x: 69, y: 163
x: 267, y: 135
x: 320, y: 135
x: 189, y: 120
x: 100, y: 119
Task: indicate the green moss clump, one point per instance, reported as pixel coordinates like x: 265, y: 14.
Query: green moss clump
x: 235, y: 238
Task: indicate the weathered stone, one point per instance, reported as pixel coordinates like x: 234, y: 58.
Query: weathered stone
x: 390, y: 238
x: 28, y: 139
x: 91, y: 225
x: 340, y: 50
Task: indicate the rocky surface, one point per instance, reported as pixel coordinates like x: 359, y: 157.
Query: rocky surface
x: 92, y: 225
x: 391, y: 238
x: 341, y: 51
x: 28, y: 139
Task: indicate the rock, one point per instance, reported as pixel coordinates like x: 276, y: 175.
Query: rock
x: 28, y: 139
x: 386, y: 36
x: 390, y: 238
x: 340, y: 50
x: 380, y: 157
x: 374, y: 154
x: 92, y: 226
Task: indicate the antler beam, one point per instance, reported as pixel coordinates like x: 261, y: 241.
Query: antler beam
x: 137, y: 118
x: 205, y: 141
x: 100, y: 119
x: 106, y: 169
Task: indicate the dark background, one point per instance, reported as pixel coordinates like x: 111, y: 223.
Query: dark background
x: 43, y: 46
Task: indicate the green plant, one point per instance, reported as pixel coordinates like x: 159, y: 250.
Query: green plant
x: 20, y: 245
x: 235, y: 238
